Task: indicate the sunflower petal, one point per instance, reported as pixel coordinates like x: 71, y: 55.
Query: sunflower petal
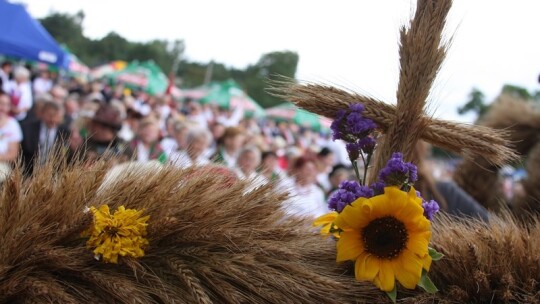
x: 366, y: 267
x: 386, y: 276
x: 349, y: 246
x: 397, y: 198
x: 418, y: 242
x: 408, y: 269
x: 351, y: 217
x: 426, y: 262
x: 325, y: 219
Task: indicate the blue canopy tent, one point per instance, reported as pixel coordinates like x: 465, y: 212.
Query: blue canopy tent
x: 24, y: 37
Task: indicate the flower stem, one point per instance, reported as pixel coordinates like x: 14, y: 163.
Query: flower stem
x: 366, y: 164
x: 355, y: 167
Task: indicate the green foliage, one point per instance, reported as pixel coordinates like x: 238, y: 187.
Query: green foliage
x: 68, y: 29
x: 476, y: 104
x: 426, y: 283
x: 516, y: 91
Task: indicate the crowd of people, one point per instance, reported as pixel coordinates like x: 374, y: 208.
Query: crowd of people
x: 39, y: 112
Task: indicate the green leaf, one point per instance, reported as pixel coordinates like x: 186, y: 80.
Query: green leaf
x: 435, y: 255
x: 393, y: 294
x: 426, y: 283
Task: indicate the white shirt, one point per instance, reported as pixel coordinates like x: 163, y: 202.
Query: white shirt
x: 9, y: 133
x: 306, y: 202
x: 230, y: 160
x: 42, y: 85
x: 182, y: 160
x: 169, y: 145
x: 46, y: 140
x: 324, y: 181
x: 24, y: 90
x: 5, y: 81
x: 143, y: 154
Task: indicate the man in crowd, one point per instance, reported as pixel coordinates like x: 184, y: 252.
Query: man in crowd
x: 41, y: 135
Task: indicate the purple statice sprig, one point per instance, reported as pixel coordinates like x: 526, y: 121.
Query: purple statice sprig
x: 350, y: 125
x: 348, y: 192
x: 430, y: 208
x: 356, y: 131
x: 398, y: 172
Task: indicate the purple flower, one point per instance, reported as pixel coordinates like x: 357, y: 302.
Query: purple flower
x: 430, y: 208
x: 357, y: 107
x: 336, y: 125
x: 413, y: 173
x: 358, y: 125
x: 378, y: 188
x: 353, y: 149
x: 367, y: 144
x: 348, y: 192
x: 397, y: 172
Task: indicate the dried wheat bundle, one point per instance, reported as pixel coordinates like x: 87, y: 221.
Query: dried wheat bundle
x: 495, y: 262
x: 462, y: 139
x: 209, y: 242
x: 480, y: 178
x: 212, y: 243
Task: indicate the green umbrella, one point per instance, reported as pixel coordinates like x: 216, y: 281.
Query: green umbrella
x: 144, y: 75
x: 228, y: 94
x: 301, y: 117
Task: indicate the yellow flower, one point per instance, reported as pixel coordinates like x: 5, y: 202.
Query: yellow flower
x: 387, y: 236
x: 121, y: 233
x: 327, y: 223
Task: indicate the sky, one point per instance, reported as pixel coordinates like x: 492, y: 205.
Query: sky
x: 352, y: 44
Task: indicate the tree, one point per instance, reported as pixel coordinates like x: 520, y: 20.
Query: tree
x: 476, y: 104
x: 67, y: 29
x: 268, y: 68
x: 517, y: 91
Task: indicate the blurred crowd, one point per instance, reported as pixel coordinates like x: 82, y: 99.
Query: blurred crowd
x: 39, y: 111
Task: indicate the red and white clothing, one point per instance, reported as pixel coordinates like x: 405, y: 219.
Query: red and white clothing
x: 21, y: 97
x: 9, y: 133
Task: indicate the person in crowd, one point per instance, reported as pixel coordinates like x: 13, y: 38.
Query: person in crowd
x: 43, y: 83
x: 338, y: 174
x: 218, y: 130
x: 286, y: 132
x: 180, y: 133
x: 145, y: 146
x: 270, y: 167
x: 229, y: 145
x: 168, y: 143
x: 196, y: 114
x: 307, y: 199
x: 197, y: 140
x: 230, y: 118
x: 20, y: 91
x: 325, y: 162
x: 100, y: 136
x: 5, y: 71
x: 249, y: 159
x: 71, y: 107
x: 450, y: 197
x: 10, y: 137
x: 41, y: 136
x: 59, y: 94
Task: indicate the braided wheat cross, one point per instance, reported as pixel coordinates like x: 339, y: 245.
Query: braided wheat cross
x: 421, y: 55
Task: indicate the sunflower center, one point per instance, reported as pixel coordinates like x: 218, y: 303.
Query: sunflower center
x: 385, y: 237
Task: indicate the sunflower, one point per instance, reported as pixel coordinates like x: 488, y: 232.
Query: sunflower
x: 327, y: 223
x: 118, y: 234
x: 387, y: 236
